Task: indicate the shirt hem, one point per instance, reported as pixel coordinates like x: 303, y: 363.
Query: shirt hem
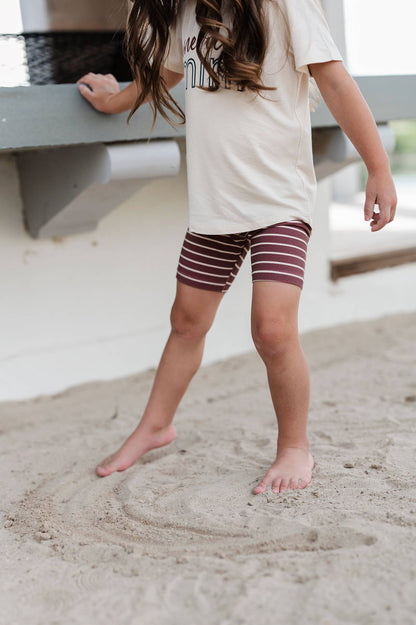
x: 234, y: 229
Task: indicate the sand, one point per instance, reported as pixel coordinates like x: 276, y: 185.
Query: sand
x: 179, y: 538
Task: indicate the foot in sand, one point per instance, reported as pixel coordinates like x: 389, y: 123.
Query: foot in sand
x: 142, y: 440
x: 291, y: 469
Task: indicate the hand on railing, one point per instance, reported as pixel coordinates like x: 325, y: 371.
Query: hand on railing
x: 102, y: 91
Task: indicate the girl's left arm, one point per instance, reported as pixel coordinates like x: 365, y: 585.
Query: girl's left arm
x: 351, y: 111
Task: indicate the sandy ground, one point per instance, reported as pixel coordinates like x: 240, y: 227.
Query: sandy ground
x: 179, y: 538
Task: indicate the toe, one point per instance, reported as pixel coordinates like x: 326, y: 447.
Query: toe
x: 261, y: 486
x: 283, y: 486
x: 103, y: 471
x: 105, y: 467
x: 106, y: 461
x: 294, y: 483
x: 276, y: 485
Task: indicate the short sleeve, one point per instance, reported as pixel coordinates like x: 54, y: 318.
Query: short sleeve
x: 311, y: 38
x: 174, y: 51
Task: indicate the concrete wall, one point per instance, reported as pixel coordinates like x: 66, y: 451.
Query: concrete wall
x: 96, y: 306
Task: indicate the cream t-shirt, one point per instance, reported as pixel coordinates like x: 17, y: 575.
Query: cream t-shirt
x: 249, y: 158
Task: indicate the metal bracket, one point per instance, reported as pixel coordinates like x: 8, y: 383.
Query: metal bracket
x: 69, y: 190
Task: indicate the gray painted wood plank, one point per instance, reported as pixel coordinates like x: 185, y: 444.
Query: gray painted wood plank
x: 57, y: 115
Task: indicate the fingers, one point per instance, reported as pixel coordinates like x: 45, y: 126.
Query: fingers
x: 91, y: 80
x: 381, y: 218
x: 381, y: 193
x: 370, y: 200
x: 87, y: 92
x: 393, y: 212
x: 85, y: 79
x: 85, y: 86
x: 99, y: 90
x: 92, y: 77
x: 89, y: 76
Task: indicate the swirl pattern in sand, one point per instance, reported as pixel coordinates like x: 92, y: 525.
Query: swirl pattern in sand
x: 166, y: 537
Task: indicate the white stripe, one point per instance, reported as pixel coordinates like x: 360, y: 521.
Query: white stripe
x: 292, y: 228
x: 279, y: 244
x: 196, y: 280
x: 230, y: 279
x: 283, y: 273
x: 211, y: 249
x: 204, y: 264
x: 280, y: 254
x: 242, y: 256
x: 276, y: 234
x: 204, y: 273
x: 214, y: 241
x: 276, y: 263
x: 207, y: 255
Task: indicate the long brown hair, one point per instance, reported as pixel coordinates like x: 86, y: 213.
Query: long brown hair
x: 240, y: 61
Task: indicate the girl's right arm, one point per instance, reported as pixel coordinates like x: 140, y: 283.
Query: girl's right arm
x: 103, y: 91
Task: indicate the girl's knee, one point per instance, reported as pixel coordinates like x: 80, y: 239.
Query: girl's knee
x: 274, y: 337
x: 188, y: 324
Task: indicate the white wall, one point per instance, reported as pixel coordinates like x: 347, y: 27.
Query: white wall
x: 96, y: 306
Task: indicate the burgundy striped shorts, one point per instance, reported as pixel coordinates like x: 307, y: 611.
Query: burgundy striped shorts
x: 278, y: 253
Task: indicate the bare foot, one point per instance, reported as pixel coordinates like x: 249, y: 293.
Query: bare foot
x: 142, y: 440
x: 292, y: 468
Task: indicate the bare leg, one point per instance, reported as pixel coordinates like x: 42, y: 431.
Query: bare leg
x: 192, y: 315
x: 275, y: 334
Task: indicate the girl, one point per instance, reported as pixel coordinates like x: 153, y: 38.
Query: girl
x: 246, y: 66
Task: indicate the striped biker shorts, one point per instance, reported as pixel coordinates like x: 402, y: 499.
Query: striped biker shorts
x: 278, y: 253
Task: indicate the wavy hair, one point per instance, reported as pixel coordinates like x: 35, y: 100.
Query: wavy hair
x: 240, y: 61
